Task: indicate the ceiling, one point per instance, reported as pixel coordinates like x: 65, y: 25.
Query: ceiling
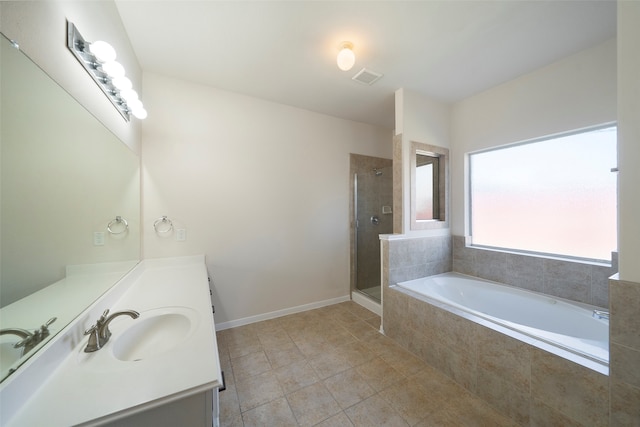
x: 285, y: 51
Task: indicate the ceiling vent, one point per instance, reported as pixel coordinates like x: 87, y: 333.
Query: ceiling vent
x: 367, y: 77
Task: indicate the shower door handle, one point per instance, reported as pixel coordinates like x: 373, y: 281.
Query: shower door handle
x: 375, y: 220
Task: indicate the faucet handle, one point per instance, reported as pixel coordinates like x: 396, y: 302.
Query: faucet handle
x: 25, y: 342
x: 36, y: 337
x: 49, y: 322
x: 104, y: 316
x: 91, y: 330
x: 93, y: 344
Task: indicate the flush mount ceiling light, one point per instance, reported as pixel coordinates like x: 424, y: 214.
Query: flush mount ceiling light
x: 346, y: 58
x: 98, y: 58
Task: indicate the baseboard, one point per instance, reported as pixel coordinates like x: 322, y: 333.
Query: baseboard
x: 279, y: 313
x: 367, y: 303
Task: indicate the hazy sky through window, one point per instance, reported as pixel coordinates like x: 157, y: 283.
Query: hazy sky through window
x: 556, y: 196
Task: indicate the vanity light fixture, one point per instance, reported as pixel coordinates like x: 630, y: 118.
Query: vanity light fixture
x: 346, y: 58
x: 99, y: 59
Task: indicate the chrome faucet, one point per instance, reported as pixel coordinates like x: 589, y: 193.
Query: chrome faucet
x: 99, y: 333
x: 28, y: 340
x: 600, y: 314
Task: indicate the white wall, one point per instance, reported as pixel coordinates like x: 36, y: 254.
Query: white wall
x: 261, y: 188
x: 419, y: 119
x: 574, y: 93
x: 40, y: 29
x: 629, y: 139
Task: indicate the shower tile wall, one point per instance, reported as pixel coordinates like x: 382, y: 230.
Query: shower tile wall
x: 575, y: 281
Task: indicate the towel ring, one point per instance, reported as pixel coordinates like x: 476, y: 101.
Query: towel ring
x: 118, y: 220
x: 168, y: 225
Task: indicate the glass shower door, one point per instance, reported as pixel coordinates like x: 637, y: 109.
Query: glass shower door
x: 373, y: 202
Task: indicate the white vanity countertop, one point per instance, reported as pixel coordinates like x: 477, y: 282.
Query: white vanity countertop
x: 95, y: 388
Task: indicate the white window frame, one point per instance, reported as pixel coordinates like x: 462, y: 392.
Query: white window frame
x: 469, y: 201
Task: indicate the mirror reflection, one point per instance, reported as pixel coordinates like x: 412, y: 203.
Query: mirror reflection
x: 428, y: 186
x: 64, y: 179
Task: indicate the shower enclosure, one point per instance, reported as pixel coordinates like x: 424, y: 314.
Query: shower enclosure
x: 372, y: 200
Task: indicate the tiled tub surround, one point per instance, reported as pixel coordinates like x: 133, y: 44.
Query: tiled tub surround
x: 412, y: 258
x: 529, y: 384
x: 582, y: 282
x: 532, y: 386
x: 625, y: 353
x: 560, y: 323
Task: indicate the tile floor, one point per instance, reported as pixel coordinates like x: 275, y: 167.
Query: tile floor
x: 331, y: 367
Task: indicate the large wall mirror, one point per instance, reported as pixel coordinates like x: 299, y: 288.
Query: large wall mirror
x: 65, y: 179
x: 429, y: 186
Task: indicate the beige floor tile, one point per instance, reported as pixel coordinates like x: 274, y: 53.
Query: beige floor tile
x: 225, y: 366
x: 338, y: 420
x: 346, y: 317
x: 228, y: 403
x: 274, y: 338
x: 235, y: 421
x: 436, y: 382
x: 338, y: 336
x: 250, y: 365
x: 238, y: 336
x: 311, y: 345
x: 374, y: 411
x: 275, y: 413
x: 244, y: 346
x: 348, y: 388
x: 440, y: 418
x: 411, y: 401
x: 361, y: 329
x: 362, y: 312
x: 295, y: 376
x: 268, y: 325
x: 468, y: 410
x: 329, y: 363
x: 312, y: 404
x: 357, y: 353
x: 408, y: 365
x: 379, y: 343
x: 258, y: 390
x: 331, y: 368
x: 379, y: 374
x: 284, y: 355
x: 374, y: 322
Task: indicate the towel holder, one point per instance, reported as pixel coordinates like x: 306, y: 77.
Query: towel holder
x: 163, y: 225
x: 118, y: 220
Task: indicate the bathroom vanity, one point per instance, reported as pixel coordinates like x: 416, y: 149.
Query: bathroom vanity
x: 159, y: 369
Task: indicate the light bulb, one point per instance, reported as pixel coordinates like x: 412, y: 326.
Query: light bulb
x: 139, y: 113
x: 346, y: 58
x: 103, y: 51
x: 134, y: 104
x: 122, y: 83
x: 129, y: 95
x: 113, y: 69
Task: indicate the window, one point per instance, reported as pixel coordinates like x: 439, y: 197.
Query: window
x: 554, y: 196
x: 427, y: 187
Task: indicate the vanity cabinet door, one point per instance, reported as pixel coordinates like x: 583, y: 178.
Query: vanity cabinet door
x: 193, y: 411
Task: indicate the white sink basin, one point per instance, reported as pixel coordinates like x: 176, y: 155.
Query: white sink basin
x: 155, y: 332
